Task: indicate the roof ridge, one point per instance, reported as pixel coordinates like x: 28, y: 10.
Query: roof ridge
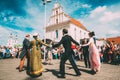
x: 76, y: 22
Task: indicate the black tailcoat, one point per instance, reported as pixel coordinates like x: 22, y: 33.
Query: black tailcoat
x: 68, y: 54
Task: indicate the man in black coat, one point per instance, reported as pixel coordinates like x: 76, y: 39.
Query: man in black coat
x: 68, y: 54
x: 25, y: 53
x: 86, y: 53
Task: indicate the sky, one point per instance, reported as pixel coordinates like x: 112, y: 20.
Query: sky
x: 21, y: 17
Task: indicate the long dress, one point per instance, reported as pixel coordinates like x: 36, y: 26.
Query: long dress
x: 93, y: 55
x: 36, y: 67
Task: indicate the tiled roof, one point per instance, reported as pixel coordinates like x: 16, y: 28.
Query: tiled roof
x: 115, y: 40
x: 74, y: 21
x: 78, y: 24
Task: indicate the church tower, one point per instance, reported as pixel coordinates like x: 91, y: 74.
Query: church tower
x: 57, y: 15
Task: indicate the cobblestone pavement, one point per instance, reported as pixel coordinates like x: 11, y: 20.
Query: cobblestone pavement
x: 8, y: 71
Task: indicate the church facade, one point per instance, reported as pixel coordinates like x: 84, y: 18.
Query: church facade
x: 60, y: 20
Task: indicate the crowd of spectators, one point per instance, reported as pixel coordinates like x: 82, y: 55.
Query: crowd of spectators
x: 9, y: 52
x: 109, y: 53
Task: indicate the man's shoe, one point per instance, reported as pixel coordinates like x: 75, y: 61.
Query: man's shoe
x: 93, y: 72
x: 78, y: 74
x: 21, y: 70
x: 61, y: 76
x: 17, y: 67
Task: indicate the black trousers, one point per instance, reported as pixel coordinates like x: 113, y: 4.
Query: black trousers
x: 64, y: 58
x: 28, y: 63
x: 86, y: 60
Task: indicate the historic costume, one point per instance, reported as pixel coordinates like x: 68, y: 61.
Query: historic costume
x: 86, y: 54
x: 36, y: 67
x: 68, y: 54
x: 25, y: 53
x: 93, y: 55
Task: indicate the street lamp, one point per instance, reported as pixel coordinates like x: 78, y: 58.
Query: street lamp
x: 44, y: 3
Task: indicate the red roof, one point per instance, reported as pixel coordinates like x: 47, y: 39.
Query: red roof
x: 115, y: 40
x: 79, y: 24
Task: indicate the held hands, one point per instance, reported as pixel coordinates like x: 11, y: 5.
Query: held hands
x: 80, y: 45
x: 77, y: 47
x: 50, y: 46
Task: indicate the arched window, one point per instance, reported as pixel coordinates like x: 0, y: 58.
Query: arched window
x: 56, y: 21
x: 56, y: 33
x: 56, y: 12
x: 80, y: 37
x: 75, y: 33
x: 84, y: 35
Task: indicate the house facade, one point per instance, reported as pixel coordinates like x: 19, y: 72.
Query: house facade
x: 60, y: 20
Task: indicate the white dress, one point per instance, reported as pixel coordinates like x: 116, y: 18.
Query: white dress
x: 93, y: 55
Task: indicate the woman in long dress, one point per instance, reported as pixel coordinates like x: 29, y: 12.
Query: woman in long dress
x: 93, y: 54
x: 36, y: 67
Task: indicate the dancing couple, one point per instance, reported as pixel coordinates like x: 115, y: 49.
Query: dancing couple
x: 93, y: 54
x: 31, y: 50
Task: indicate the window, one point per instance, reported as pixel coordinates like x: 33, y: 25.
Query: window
x: 75, y: 33
x: 56, y: 12
x: 56, y: 21
x: 56, y: 33
x: 84, y: 35
x: 80, y: 34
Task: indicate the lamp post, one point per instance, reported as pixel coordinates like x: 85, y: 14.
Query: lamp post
x: 44, y: 3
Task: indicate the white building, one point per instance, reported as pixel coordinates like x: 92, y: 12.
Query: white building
x: 12, y: 41
x: 60, y: 20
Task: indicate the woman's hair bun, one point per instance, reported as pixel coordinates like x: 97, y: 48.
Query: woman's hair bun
x: 93, y: 33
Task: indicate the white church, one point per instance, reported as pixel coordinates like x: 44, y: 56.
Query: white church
x: 60, y: 20
x: 12, y: 40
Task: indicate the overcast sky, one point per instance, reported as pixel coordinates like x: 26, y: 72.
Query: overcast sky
x: 20, y: 17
